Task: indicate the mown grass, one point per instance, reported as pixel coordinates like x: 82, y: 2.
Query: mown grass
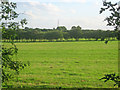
x: 67, y: 64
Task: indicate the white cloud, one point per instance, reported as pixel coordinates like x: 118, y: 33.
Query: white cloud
x: 34, y: 3
x: 46, y: 15
x: 30, y: 13
x: 42, y: 14
x: 50, y: 7
x: 94, y: 22
x: 73, y: 11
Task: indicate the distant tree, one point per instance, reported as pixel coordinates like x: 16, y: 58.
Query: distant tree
x: 79, y: 28
x: 73, y: 27
x: 40, y: 36
x: 75, y: 32
x: 35, y: 35
x: 66, y: 35
x: 53, y: 35
x: 61, y: 28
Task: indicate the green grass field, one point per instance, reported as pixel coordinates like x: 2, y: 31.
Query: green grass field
x: 67, y: 64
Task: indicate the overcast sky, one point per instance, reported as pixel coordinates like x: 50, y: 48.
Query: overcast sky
x: 46, y: 13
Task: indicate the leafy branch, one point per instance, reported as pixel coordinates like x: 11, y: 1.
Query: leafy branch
x: 115, y: 78
x: 114, y: 18
x: 10, y: 67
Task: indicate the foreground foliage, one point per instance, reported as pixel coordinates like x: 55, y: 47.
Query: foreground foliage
x: 10, y: 67
x: 115, y: 78
x: 112, y: 20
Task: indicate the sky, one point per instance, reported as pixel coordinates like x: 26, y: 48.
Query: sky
x: 47, y: 13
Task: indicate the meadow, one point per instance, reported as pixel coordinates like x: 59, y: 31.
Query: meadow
x: 67, y: 64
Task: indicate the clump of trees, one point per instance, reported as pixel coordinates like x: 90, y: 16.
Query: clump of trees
x: 60, y: 33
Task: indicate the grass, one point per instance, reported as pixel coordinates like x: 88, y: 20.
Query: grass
x: 67, y: 64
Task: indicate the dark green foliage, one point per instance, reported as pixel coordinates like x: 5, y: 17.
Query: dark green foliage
x: 66, y: 35
x: 61, y: 28
x: 53, y: 35
x: 113, y: 77
x: 35, y: 34
x: 10, y: 67
x: 75, y: 32
x: 112, y: 20
x: 7, y: 11
x: 106, y: 41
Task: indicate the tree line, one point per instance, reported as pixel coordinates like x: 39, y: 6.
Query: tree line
x: 58, y: 34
